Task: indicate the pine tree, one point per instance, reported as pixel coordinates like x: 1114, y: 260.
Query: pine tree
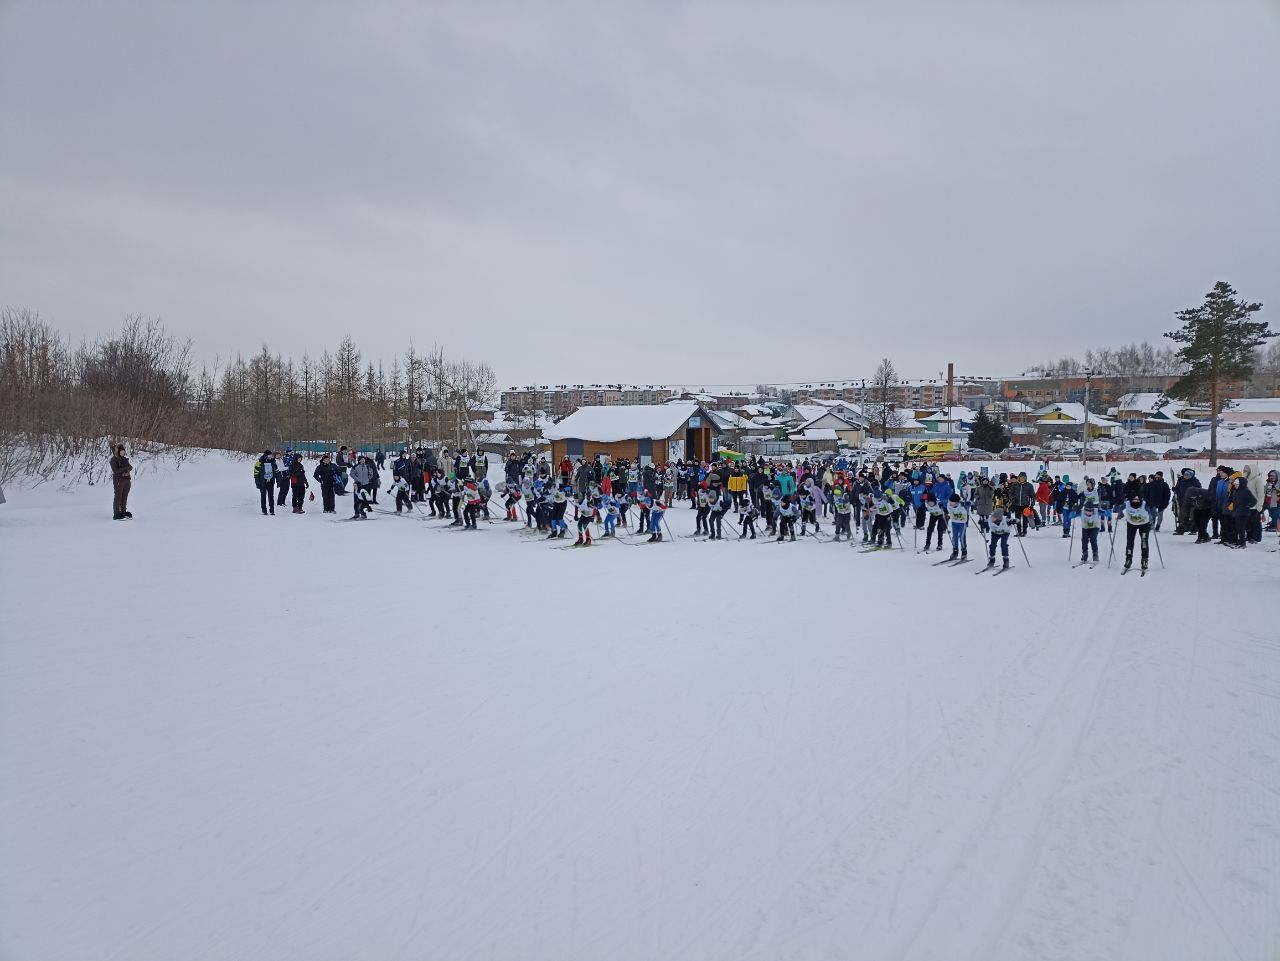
x: 1218, y: 342
x: 988, y: 433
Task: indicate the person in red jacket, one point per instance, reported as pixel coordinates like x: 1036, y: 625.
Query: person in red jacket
x: 1044, y: 498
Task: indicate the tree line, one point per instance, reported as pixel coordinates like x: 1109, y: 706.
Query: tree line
x: 62, y: 405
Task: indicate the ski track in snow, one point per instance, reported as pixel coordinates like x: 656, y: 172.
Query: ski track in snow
x: 226, y: 736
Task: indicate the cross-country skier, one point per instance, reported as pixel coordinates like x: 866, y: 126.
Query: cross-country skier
x: 1000, y: 530
x: 937, y: 520
x: 958, y: 514
x: 1138, y: 521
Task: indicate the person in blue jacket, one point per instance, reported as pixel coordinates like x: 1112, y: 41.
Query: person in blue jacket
x: 1219, y: 487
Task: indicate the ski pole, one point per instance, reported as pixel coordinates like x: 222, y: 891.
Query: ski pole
x: 1023, y: 548
x: 1071, y: 544
x: 1113, y: 545
x: 1159, y: 553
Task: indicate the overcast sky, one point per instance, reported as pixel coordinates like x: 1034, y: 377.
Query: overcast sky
x: 641, y: 192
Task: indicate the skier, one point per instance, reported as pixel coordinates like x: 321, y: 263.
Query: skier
x: 121, y: 481
x: 609, y: 508
x: 264, y: 478
x: 656, y: 509
x: 747, y: 514
x: 558, y: 502
x: 362, y: 476
x: 1000, y: 530
x: 403, y: 491
x: 959, y: 516
x: 1068, y: 503
x: 937, y: 521
x: 843, y: 510
x: 718, y: 506
x: 787, y: 513
x: 1090, y: 523
x: 584, y: 511
x: 704, y: 508
x: 1138, y: 521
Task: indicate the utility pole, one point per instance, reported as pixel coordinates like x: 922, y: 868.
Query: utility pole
x: 1084, y: 451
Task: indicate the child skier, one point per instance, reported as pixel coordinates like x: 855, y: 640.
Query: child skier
x: 719, y: 504
x: 787, y: 513
x: 585, y: 511
x: 609, y: 508
x: 1138, y: 521
x: 704, y: 508
x: 844, y: 513
x: 959, y: 517
x: 1090, y: 524
x: 471, y: 494
x: 401, y: 488
x: 937, y: 521
x: 1000, y: 530
x: 747, y: 514
x: 654, y: 508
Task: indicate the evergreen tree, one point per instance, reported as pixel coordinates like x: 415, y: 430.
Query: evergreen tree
x: 1218, y: 341
x: 988, y: 433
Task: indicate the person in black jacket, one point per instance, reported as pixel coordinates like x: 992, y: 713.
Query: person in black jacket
x: 325, y: 474
x: 282, y: 476
x: 121, y: 481
x: 298, y: 482
x: 1132, y: 488
x: 1186, y: 483
x: 1021, y: 498
x: 1158, y: 497
x: 265, y: 473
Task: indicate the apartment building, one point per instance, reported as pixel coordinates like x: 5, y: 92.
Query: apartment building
x: 562, y: 400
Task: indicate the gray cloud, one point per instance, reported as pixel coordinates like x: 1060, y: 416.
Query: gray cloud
x: 652, y: 192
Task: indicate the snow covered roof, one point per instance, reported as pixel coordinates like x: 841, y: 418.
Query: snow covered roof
x: 1258, y: 406
x: 814, y: 433
x: 956, y: 412
x: 729, y: 420
x: 608, y: 424
x: 754, y: 410
x: 1012, y: 406
x: 1094, y: 420
x: 845, y: 419
x: 1072, y: 409
x: 1146, y: 401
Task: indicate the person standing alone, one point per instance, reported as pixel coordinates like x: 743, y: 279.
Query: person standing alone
x: 121, y: 481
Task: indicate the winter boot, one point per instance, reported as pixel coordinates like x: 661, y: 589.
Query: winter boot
x: 588, y: 538
x: 991, y: 561
x: 793, y: 535
x: 1005, y: 565
x: 954, y: 555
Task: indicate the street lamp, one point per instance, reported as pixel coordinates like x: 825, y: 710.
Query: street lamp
x: 1084, y: 450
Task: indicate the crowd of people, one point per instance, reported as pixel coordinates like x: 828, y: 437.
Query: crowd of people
x: 830, y: 499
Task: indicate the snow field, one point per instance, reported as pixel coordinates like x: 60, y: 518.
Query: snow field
x: 234, y: 737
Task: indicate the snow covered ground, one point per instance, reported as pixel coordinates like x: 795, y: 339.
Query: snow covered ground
x: 225, y: 736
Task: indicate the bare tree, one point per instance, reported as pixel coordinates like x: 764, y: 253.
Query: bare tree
x: 882, y: 409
